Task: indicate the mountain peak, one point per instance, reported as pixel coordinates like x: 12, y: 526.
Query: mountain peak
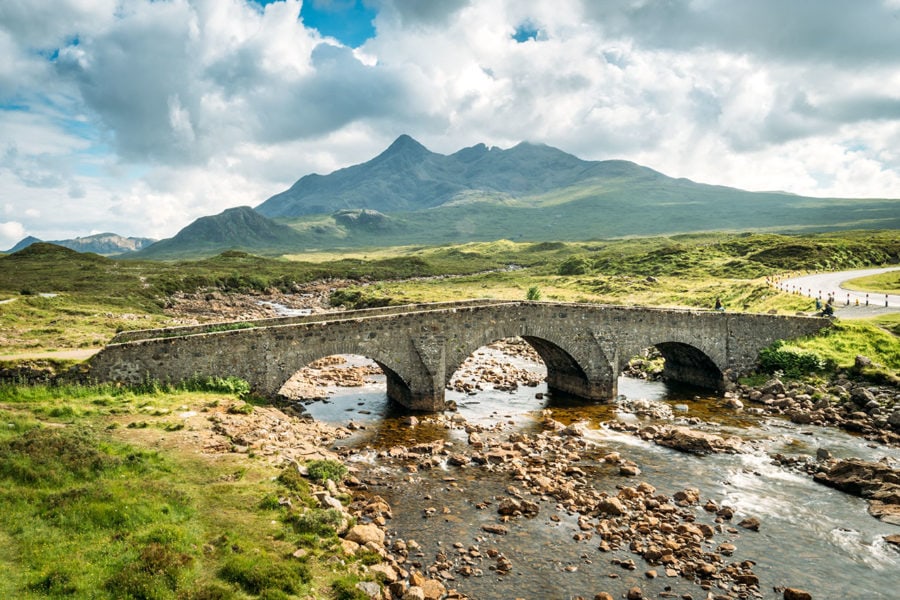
x: 405, y: 144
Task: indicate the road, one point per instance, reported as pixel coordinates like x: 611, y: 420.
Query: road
x: 81, y: 354
x: 849, y: 303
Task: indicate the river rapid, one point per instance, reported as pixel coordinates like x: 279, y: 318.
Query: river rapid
x: 811, y: 537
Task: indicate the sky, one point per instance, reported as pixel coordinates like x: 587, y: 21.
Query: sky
x: 139, y: 116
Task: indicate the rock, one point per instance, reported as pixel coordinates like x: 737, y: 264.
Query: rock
x: 696, y: 442
x: 894, y: 540
x: 496, y: 529
x: 687, y: 496
x: 611, y: 506
x: 861, y: 361
x: 509, y: 506
x: 363, y: 534
x: 635, y: 593
x: 773, y: 387
x: 575, y: 429
x: 734, y: 403
x: 386, y: 570
x: 370, y: 589
x: 629, y: 470
x: 603, y: 596
x: 894, y: 419
x: 349, y: 547
x: 433, y: 589
x: 751, y: 523
x: 823, y: 454
x: 861, y: 396
x: 414, y: 593
x: 795, y: 594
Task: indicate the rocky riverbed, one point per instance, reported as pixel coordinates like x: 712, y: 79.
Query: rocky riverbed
x: 493, y: 483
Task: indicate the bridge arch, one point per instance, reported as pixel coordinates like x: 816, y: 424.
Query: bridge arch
x: 576, y: 364
x: 689, y: 360
x: 401, y: 379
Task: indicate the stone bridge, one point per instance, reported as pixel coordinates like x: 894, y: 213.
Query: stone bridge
x: 419, y: 347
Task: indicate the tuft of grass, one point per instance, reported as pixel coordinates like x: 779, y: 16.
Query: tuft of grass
x: 320, y: 470
x: 262, y: 573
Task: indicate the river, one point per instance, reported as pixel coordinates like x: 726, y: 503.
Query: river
x: 811, y: 537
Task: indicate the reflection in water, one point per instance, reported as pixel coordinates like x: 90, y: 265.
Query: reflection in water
x: 812, y: 537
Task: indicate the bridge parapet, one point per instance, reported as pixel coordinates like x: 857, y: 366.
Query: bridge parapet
x: 216, y: 326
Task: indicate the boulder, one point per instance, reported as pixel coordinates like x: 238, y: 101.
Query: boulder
x: 795, y: 594
x: 433, y: 589
x: 414, y: 593
x: 773, y: 387
x: 697, y: 442
x: 611, y: 506
x: 371, y: 589
x: 363, y: 534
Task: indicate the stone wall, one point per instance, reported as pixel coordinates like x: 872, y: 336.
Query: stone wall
x: 419, y: 347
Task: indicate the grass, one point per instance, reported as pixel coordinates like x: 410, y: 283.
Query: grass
x: 91, y: 509
x: 884, y: 283
x: 845, y: 340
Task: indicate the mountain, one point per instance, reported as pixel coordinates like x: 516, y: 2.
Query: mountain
x: 106, y: 244
x: 23, y: 243
x: 239, y: 228
x: 407, y: 176
x: 531, y: 192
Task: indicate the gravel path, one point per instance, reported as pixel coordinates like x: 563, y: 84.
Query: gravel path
x: 849, y: 303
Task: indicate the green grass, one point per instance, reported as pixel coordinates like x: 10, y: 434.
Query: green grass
x: 845, y: 340
x: 884, y: 283
x: 89, y: 509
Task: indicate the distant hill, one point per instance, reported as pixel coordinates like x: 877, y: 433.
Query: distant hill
x: 239, y: 228
x: 106, y: 244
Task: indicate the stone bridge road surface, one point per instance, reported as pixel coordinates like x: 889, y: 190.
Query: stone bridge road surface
x: 80, y: 354
x: 832, y: 283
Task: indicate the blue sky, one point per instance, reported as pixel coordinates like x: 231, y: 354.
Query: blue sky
x: 349, y: 21
x: 140, y: 116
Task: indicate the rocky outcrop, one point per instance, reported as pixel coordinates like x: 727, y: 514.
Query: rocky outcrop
x: 858, y: 407
x: 692, y: 441
x: 878, y: 482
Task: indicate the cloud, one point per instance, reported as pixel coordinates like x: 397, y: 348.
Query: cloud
x: 802, y: 30
x: 412, y: 13
x: 140, y: 116
x: 10, y: 233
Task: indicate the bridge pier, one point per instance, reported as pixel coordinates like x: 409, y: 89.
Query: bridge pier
x: 573, y: 385
x: 425, y: 400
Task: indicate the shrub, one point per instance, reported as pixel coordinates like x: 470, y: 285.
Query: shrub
x: 345, y: 589
x: 574, y: 265
x: 323, y: 522
x: 320, y: 470
x: 793, y: 362
x: 533, y: 294
x: 291, y: 479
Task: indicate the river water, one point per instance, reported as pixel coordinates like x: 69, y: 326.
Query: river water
x: 811, y: 537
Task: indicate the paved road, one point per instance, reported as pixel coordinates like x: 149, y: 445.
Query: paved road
x: 824, y: 284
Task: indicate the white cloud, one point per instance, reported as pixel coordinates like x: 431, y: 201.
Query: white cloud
x: 155, y: 113
x: 10, y: 233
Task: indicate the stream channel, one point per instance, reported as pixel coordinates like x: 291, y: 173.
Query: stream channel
x: 811, y: 537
